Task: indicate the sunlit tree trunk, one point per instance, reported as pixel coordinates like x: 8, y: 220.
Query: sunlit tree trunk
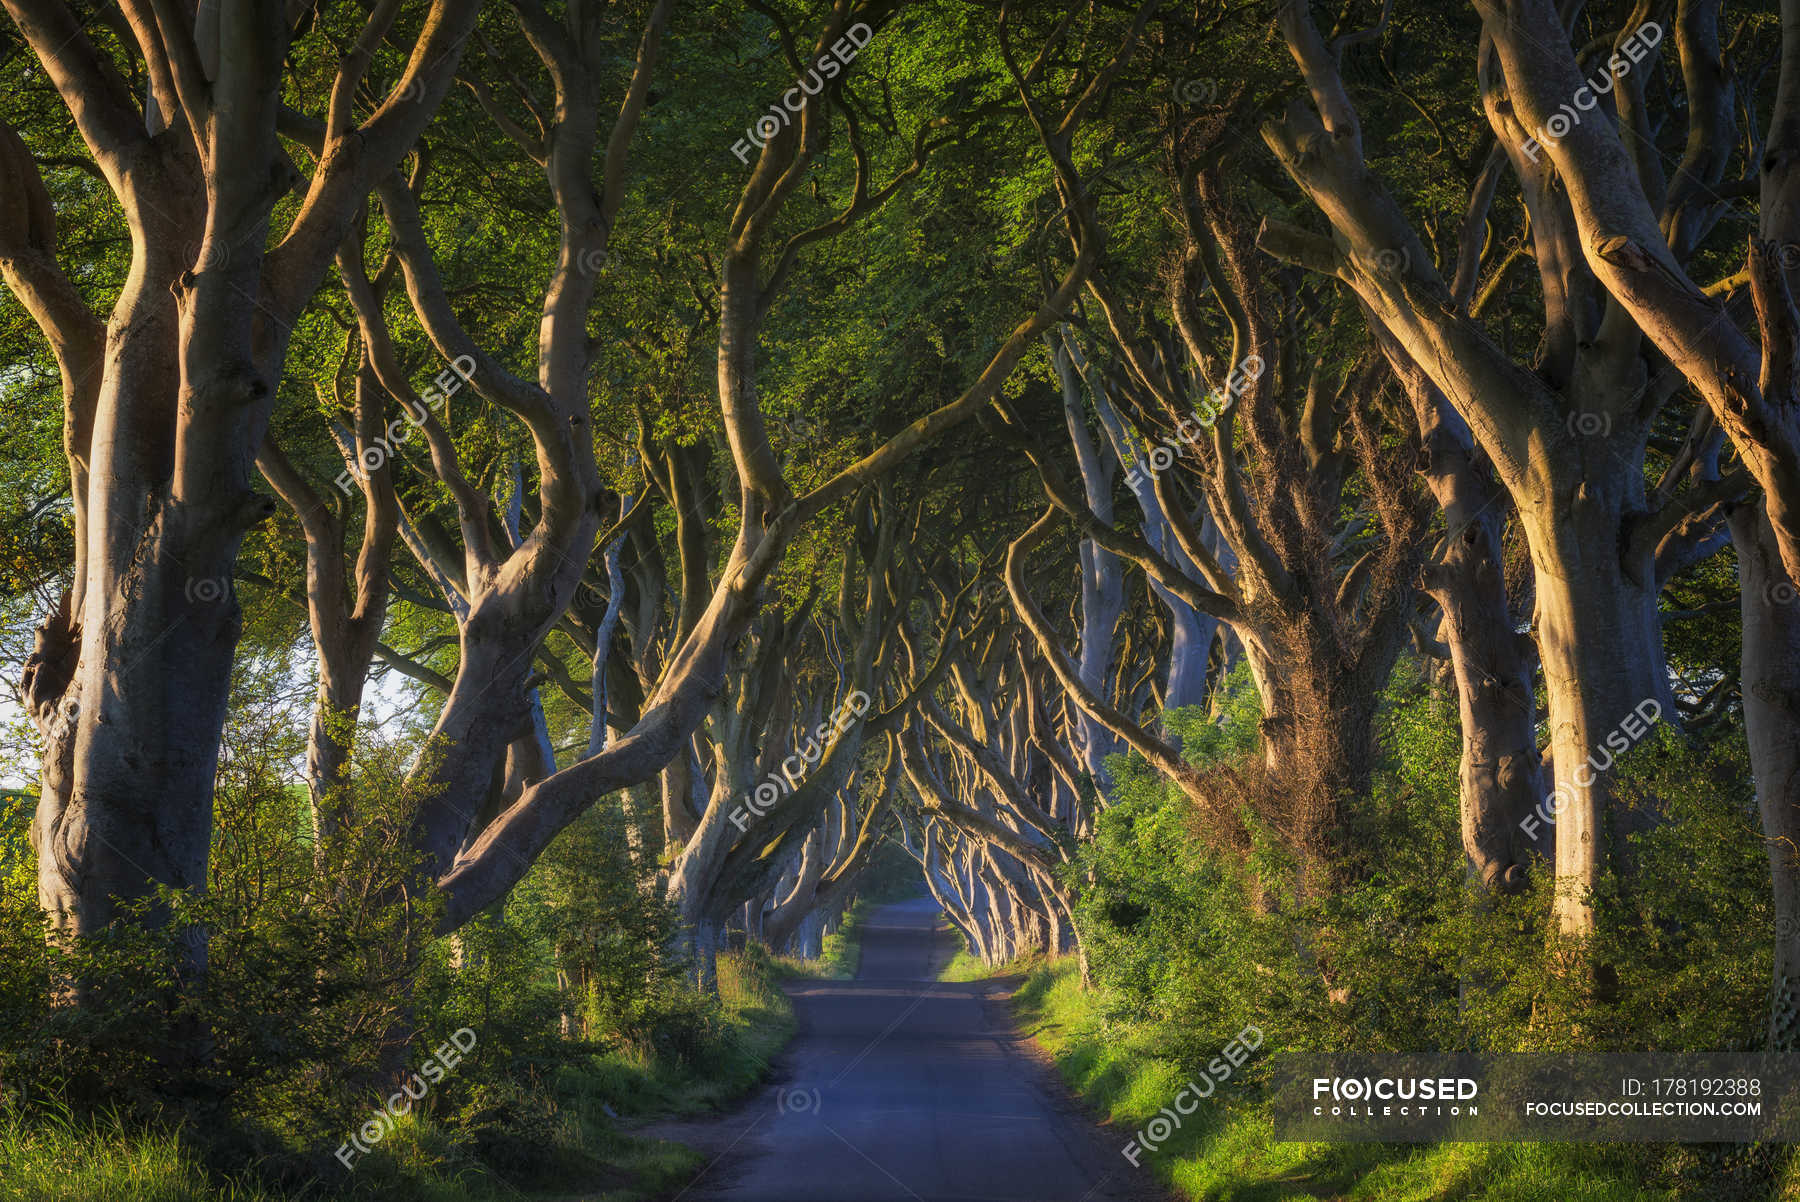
x: 130, y: 687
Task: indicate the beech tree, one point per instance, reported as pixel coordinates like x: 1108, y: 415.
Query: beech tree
x: 983, y: 441
x: 166, y: 400
x: 1566, y: 438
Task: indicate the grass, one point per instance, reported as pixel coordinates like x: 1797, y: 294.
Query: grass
x: 587, y: 1156
x: 101, y: 1162
x: 1227, y: 1153
x: 840, y: 953
x: 966, y: 966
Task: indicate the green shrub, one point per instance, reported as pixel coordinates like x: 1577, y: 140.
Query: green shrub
x: 1194, y: 944
x: 323, y: 989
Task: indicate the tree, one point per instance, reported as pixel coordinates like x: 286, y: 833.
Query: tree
x: 164, y: 414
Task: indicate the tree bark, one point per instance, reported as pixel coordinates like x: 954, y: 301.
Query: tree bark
x: 1770, y: 610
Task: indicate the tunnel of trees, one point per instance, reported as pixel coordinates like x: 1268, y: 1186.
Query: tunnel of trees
x: 516, y: 514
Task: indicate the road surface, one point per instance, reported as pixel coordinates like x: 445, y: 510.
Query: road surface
x: 900, y: 1088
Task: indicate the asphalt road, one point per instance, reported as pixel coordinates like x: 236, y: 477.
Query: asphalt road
x: 899, y: 1088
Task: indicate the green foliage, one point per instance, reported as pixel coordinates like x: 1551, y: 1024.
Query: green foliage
x: 889, y: 876
x: 321, y: 991
x: 603, y: 922
x: 1225, y: 1151
x: 1229, y: 729
x: 1184, y: 955
x: 1188, y: 945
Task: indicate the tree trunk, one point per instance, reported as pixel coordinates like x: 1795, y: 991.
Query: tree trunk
x: 1600, y: 640
x: 1771, y: 689
x: 1501, y: 774
x: 1102, y: 581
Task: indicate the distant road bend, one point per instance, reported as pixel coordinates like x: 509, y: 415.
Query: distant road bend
x: 900, y: 1088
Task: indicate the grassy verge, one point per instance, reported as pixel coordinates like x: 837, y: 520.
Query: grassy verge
x: 57, y: 1158
x: 1226, y: 1153
x: 582, y: 1153
x: 966, y: 966
x: 840, y: 953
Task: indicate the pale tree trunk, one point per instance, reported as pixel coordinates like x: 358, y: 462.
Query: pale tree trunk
x: 833, y: 858
x: 1102, y: 583
x: 930, y: 857
x: 1600, y: 639
x: 691, y: 881
x: 809, y: 942
x: 131, y: 690
x: 683, y: 787
x: 706, y: 956
x: 604, y: 634
x: 1571, y: 460
x: 1766, y: 569
x: 1323, y: 636
x: 756, y: 689
x: 1771, y: 691
x: 990, y: 911
x: 971, y: 899
x: 1621, y: 237
x: 1501, y: 772
x: 522, y: 596
x: 345, y: 615
x: 792, y: 912
x: 1194, y: 631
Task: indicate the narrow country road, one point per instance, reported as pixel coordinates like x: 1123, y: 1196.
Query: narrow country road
x: 900, y: 1088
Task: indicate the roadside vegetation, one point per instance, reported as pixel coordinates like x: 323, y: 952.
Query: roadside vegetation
x: 543, y: 1104
x: 1183, y: 957
x: 551, y: 1128
x: 1226, y: 1151
x: 516, y: 515
x: 841, y: 952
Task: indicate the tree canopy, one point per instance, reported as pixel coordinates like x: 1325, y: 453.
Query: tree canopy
x: 1349, y: 457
